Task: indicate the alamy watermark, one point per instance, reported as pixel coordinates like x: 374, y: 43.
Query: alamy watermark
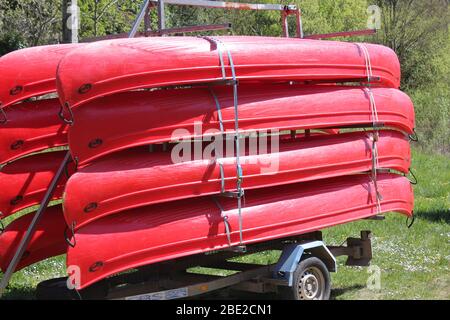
x: 74, y: 277
x: 260, y: 148
x: 374, y: 20
x: 374, y: 280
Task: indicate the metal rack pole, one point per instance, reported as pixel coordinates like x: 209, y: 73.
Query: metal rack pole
x: 161, y: 16
x: 139, y: 18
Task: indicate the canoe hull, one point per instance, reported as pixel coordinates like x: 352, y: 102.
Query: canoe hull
x: 48, y: 240
x: 30, y: 72
x: 168, y: 231
x: 108, y: 67
x: 24, y: 182
x: 193, y: 112
x: 31, y: 127
x: 136, y: 178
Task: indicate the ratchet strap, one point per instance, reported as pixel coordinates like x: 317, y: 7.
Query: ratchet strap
x: 239, y: 194
x: 375, y: 121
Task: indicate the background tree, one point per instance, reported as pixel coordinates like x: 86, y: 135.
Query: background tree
x: 101, y: 17
x: 417, y: 31
x: 30, y: 22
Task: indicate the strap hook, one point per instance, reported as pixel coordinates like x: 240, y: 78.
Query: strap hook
x: 67, y: 238
x: 4, y: 118
x: 414, y: 180
x: 69, y: 121
x: 414, y: 137
x: 410, y: 224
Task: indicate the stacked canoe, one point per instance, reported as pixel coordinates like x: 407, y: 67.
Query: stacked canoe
x: 187, y: 145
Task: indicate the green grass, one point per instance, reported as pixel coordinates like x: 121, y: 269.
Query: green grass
x: 414, y: 263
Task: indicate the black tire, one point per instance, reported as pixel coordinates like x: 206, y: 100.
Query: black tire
x: 54, y: 289
x: 314, y: 274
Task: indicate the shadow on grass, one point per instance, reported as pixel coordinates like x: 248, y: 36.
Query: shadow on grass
x: 19, y: 294
x: 439, y: 215
x: 338, y: 292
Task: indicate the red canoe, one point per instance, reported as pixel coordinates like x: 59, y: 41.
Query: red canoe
x: 48, y: 240
x: 112, y: 66
x: 136, y: 178
x: 152, y: 117
x: 25, y: 181
x: 30, y: 72
x: 32, y: 126
x: 176, y: 229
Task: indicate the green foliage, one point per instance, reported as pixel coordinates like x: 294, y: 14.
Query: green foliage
x: 326, y: 16
x: 432, y: 103
x: 416, y: 30
x: 432, y: 107
x: 29, y: 22
x: 10, y: 42
x: 102, y: 17
x: 319, y: 16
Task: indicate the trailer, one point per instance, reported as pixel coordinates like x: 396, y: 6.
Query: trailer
x: 302, y: 272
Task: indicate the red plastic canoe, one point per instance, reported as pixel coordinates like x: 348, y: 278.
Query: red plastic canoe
x: 25, y: 181
x: 136, y: 178
x: 176, y: 229
x: 31, y: 127
x: 112, y: 66
x: 48, y: 240
x: 152, y: 117
x: 30, y: 72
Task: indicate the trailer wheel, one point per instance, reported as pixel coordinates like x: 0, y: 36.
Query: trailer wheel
x: 311, y: 281
x: 54, y: 289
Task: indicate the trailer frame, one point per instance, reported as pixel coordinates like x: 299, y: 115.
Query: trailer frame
x: 176, y: 279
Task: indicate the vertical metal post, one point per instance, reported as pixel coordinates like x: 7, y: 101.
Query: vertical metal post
x: 70, y: 21
x: 32, y: 228
x: 147, y: 20
x: 75, y: 20
x: 161, y: 16
x: 298, y: 17
x: 66, y: 32
x: 284, y: 23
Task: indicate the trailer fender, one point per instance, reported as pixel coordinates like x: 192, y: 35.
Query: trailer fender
x: 292, y: 255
